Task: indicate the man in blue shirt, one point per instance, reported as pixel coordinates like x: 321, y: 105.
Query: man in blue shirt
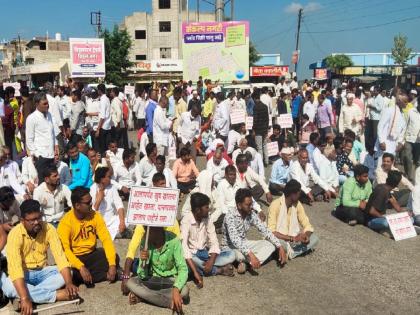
x: 296, y: 104
x: 80, y: 168
x: 150, y: 113
x: 280, y: 172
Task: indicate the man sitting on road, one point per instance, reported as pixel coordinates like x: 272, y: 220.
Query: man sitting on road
x: 247, y: 178
x: 79, y: 230
x: 9, y: 209
x: 216, y: 166
x: 81, y: 171
x: 185, y: 171
x: 354, y: 194
x: 304, y: 173
x: 402, y: 195
x: 127, y: 173
x: 288, y: 221
x: 200, y: 244
x: 166, y: 171
x: 146, y: 165
x: 114, y: 154
x: 30, y: 279
x: 380, y: 200
x: 235, y: 227
x: 280, y: 172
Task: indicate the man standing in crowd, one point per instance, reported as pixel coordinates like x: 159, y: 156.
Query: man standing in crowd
x: 221, y: 120
x: 189, y: 129
x: 150, y: 113
x: 41, y: 140
x: 260, y: 126
x: 161, y: 127
x: 103, y: 133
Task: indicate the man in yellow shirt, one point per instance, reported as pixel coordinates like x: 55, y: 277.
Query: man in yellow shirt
x: 131, y: 263
x: 288, y: 221
x: 30, y: 278
x: 78, y: 231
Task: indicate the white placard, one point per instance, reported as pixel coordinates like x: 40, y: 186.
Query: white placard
x: 152, y: 206
x: 15, y: 85
x: 237, y: 116
x: 87, y: 56
x: 129, y: 90
x: 249, y: 122
x: 273, y: 148
x: 285, y: 121
x: 401, y: 226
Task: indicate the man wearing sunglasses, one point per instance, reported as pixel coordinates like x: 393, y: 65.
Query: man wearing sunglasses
x: 30, y: 278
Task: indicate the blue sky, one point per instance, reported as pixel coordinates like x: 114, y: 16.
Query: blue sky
x: 273, y: 23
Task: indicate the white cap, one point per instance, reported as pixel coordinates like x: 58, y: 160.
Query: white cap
x: 350, y: 95
x: 413, y: 92
x: 344, y: 84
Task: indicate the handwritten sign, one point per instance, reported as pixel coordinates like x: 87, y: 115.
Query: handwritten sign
x: 285, y: 121
x: 15, y: 85
x: 273, y: 148
x: 237, y: 116
x: 249, y: 122
x: 129, y: 90
x: 152, y: 206
x: 401, y: 226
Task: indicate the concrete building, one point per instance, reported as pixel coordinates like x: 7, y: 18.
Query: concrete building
x: 156, y: 37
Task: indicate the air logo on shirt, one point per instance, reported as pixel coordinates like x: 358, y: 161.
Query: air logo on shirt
x: 85, y: 231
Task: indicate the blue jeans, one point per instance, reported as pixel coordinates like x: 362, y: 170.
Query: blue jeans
x: 225, y: 257
x: 42, y: 284
x: 378, y: 224
x: 300, y: 249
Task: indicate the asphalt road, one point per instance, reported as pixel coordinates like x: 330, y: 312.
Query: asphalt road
x: 352, y: 271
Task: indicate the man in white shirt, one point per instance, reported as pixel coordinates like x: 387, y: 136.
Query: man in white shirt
x: 303, y: 172
x: 309, y: 108
x: 328, y: 171
x: 41, y: 140
x: 147, y: 166
x: 411, y: 151
x: 375, y: 108
x: 9, y: 178
x: 116, y: 114
x: 114, y: 154
x: 282, y: 85
x: 63, y: 102
x: 169, y: 176
x: 103, y: 133
x: 294, y: 84
x: 54, y: 109
x: 350, y: 116
x: 53, y: 196
x: 216, y: 166
x: 225, y: 197
x: 266, y: 99
x: 139, y: 108
x: 189, y: 129
x: 161, y: 127
x: 221, y: 121
x: 127, y: 174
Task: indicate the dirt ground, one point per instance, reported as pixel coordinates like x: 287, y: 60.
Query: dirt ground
x: 352, y: 271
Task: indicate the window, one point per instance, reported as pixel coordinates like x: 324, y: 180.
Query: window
x: 165, y: 53
x: 164, y: 4
x: 164, y: 26
x: 140, y: 57
x: 140, y: 34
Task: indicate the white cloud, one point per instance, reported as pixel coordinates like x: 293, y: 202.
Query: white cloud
x: 294, y: 7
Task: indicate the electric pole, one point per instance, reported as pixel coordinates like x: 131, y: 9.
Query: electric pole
x: 220, y: 10
x: 95, y: 20
x: 297, y: 38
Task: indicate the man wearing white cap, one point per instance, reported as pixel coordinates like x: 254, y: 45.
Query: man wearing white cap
x: 413, y: 98
x: 350, y: 116
x: 280, y: 172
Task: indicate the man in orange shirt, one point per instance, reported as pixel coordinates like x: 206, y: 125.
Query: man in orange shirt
x: 185, y: 171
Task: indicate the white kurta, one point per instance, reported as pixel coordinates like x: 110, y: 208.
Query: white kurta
x: 391, y: 129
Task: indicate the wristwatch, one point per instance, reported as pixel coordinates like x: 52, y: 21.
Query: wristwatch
x: 125, y: 277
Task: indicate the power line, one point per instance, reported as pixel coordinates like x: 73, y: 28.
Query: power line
x: 316, y: 44
x: 365, y: 27
x: 282, y: 32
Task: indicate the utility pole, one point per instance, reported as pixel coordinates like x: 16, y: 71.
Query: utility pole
x: 198, y: 11
x: 297, y: 37
x: 220, y: 10
x: 95, y: 20
x: 232, y: 8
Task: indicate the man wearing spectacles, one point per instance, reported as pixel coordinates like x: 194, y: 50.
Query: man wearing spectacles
x: 30, y: 278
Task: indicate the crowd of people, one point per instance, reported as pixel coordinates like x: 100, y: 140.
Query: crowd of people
x: 67, y: 166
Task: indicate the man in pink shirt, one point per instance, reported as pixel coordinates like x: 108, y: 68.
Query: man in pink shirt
x: 185, y: 171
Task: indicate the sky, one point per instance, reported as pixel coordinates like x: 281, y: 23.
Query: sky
x: 328, y: 25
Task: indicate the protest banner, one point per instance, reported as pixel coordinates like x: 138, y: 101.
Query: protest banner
x: 285, y: 121
x: 237, y: 116
x: 87, y: 57
x: 401, y: 226
x: 152, y: 206
x: 249, y: 122
x: 272, y: 148
x: 129, y: 90
x: 217, y: 51
x: 15, y: 85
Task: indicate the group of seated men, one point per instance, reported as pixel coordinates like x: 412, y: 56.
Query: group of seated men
x: 68, y: 218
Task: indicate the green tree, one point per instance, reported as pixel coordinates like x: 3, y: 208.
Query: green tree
x: 400, y: 52
x: 253, y: 54
x: 117, y: 47
x: 338, y: 62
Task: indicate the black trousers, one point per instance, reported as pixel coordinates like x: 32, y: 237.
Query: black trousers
x: 276, y: 189
x: 316, y: 191
x: 104, y: 140
x: 186, y: 188
x: 347, y: 214
x: 42, y: 164
x: 96, y: 263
